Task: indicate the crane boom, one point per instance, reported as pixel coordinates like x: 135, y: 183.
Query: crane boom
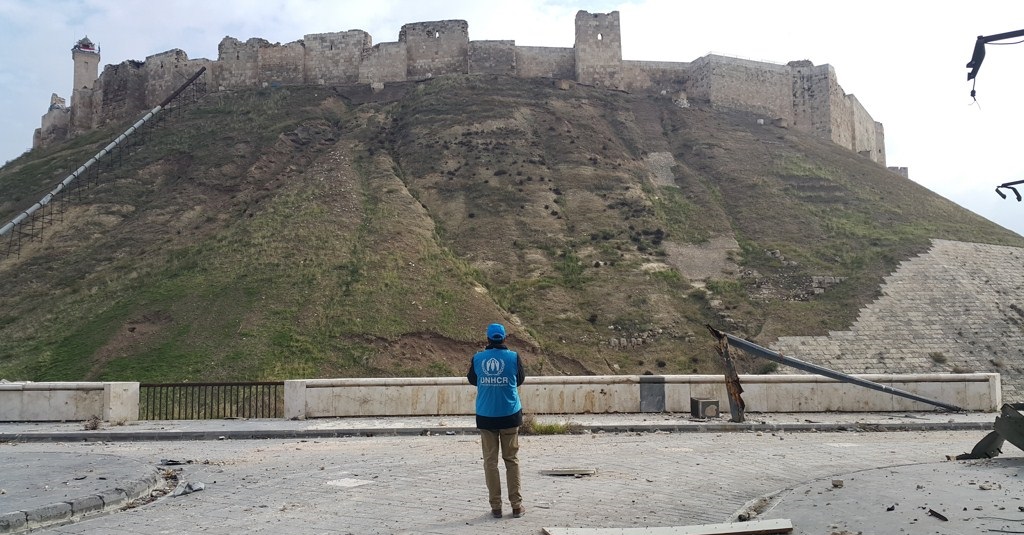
x: 979, y: 49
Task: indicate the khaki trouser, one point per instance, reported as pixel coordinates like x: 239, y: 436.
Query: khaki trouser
x: 508, y: 441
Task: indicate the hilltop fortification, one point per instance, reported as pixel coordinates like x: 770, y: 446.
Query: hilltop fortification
x: 805, y: 96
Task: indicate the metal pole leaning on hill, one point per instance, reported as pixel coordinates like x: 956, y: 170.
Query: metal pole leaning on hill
x: 762, y: 352
x: 6, y: 229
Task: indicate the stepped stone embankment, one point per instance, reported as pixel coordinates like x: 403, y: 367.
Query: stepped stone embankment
x: 958, y: 307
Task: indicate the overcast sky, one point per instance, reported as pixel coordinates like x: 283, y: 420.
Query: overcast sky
x: 905, y: 61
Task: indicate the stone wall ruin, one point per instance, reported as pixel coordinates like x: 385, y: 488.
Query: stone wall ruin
x: 799, y: 94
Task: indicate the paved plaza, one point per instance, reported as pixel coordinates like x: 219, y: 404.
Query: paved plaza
x: 829, y: 481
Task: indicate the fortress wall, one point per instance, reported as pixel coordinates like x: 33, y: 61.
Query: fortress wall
x: 385, y: 62
x: 759, y: 87
x: 598, y: 49
x: 436, y: 48
x: 88, y: 114
x: 237, y: 62
x: 880, y: 144
x: 840, y: 116
x: 82, y: 109
x: 55, y: 127
x: 163, y: 73
x: 334, y: 58
x: 656, y: 76
x: 282, y: 64
x: 56, y: 119
x: 807, y: 95
x: 492, y: 57
x: 812, y: 104
x: 123, y: 90
x: 864, y: 131
x: 545, y: 62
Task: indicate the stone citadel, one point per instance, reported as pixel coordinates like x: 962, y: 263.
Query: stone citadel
x: 799, y: 94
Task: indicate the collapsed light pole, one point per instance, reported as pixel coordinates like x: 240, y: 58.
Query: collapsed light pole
x: 725, y: 340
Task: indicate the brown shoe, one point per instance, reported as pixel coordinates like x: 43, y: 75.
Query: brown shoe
x: 518, y: 512
x: 496, y: 513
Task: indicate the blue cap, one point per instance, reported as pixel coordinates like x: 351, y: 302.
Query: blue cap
x: 496, y: 332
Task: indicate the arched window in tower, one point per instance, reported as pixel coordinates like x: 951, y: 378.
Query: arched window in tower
x: 600, y: 37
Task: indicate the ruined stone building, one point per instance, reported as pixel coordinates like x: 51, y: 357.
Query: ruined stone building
x: 805, y: 96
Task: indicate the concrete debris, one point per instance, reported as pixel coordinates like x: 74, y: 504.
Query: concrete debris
x: 184, y: 488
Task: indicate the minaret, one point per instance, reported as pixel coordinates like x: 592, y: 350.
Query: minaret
x: 87, y: 66
x: 87, y: 63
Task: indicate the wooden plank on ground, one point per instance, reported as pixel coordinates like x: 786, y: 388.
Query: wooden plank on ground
x: 754, y: 527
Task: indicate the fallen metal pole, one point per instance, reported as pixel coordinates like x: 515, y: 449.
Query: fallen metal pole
x: 99, y: 156
x: 762, y: 352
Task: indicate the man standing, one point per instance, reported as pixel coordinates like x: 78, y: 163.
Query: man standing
x: 497, y: 373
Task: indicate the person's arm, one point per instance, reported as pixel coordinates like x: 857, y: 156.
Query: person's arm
x: 471, y: 374
x: 520, y: 374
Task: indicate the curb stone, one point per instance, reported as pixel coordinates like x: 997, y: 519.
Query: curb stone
x: 66, y: 511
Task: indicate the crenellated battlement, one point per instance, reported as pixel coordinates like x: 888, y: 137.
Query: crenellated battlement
x: 800, y: 94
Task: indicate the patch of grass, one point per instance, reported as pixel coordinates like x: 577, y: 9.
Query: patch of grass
x: 726, y: 288
x: 532, y: 427
x: 571, y: 269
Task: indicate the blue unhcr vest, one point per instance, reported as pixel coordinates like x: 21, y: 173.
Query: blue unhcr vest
x: 496, y: 384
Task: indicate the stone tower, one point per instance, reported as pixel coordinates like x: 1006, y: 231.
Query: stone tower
x: 598, y: 48
x: 87, y: 66
x: 87, y: 63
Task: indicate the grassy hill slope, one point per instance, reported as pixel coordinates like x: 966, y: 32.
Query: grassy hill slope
x: 324, y: 232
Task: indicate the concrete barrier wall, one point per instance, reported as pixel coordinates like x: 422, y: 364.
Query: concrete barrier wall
x: 58, y: 402
x: 433, y: 396
x: 321, y: 398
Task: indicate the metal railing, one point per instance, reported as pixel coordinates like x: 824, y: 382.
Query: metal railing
x: 210, y: 401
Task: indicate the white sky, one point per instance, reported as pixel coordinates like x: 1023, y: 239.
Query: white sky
x: 905, y: 61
